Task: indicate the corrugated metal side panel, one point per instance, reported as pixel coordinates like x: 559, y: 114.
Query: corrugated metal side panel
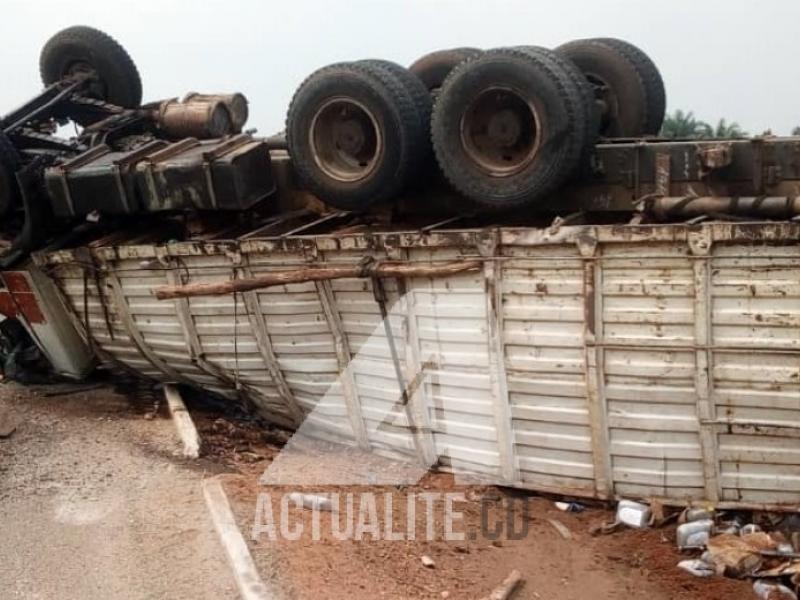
x: 543, y: 317
x: 157, y: 322
x: 304, y: 346
x: 376, y: 382
x: 451, y: 324
x: 634, y: 362
x: 756, y: 370
x: 110, y: 336
x: 227, y: 346
x: 648, y: 315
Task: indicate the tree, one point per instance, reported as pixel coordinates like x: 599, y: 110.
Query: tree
x: 729, y: 131
x: 796, y: 131
x: 682, y: 124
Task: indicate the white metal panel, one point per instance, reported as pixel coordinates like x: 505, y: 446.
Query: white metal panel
x: 636, y: 361
x: 543, y: 307
x: 756, y: 301
x: 648, y: 316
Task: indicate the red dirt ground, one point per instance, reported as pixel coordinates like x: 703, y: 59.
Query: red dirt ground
x: 628, y: 564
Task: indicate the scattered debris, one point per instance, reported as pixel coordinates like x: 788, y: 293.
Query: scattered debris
x: 312, y: 501
x: 633, y: 514
x: 750, y: 529
x: 691, y: 515
x: 739, y: 556
x: 561, y: 528
x: 773, y: 591
x: 694, y: 535
x: 697, y: 567
x: 604, y: 528
x: 428, y: 562
x: 786, y: 550
x: 571, y: 507
x: 506, y: 589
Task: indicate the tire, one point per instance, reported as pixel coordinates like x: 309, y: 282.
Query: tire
x: 628, y: 82
x: 591, y: 113
x: 375, y: 115
x: 83, y: 48
x: 653, y: 83
x: 422, y: 101
x: 9, y: 163
x: 520, y: 164
x: 432, y: 69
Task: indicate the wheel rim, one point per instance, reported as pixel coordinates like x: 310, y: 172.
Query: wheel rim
x: 501, y: 131
x: 346, y: 140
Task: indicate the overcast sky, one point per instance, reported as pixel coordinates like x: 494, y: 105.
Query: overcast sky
x: 719, y: 58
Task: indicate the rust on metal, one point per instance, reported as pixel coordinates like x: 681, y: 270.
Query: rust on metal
x: 198, y: 119
x: 22, y: 297
x: 7, y: 307
x: 715, y: 156
x: 236, y: 104
x: 781, y: 207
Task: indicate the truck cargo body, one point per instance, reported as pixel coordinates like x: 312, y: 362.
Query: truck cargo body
x: 636, y: 361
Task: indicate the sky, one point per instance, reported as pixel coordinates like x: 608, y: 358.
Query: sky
x: 719, y: 58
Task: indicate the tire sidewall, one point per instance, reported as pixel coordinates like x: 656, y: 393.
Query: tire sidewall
x: 458, y: 94
x: 384, y: 180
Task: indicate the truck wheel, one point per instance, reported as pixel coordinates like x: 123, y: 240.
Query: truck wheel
x: 434, y: 68
x: 83, y: 49
x: 591, y: 109
x: 355, y: 135
x: 653, y: 83
x: 509, y: 127
x: 9, y: 163
x: 627, y: 85
x: 422, y: 100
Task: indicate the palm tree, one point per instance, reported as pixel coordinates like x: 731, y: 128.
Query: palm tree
x: 685, y: 125
x: 682, y: 124
x: 729, y: 131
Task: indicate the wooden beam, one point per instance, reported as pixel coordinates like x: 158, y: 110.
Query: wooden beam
x: 307, y: 274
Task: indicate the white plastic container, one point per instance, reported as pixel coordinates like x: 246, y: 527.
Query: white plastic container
x: 694, y: 535
x: 633, y: 514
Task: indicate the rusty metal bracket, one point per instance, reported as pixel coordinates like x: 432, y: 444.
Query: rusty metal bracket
x: 663, y: 174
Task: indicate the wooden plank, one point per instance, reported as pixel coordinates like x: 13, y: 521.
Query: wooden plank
x: 183, y: 422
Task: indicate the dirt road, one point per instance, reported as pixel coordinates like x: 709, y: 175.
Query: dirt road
x: 95, y: 504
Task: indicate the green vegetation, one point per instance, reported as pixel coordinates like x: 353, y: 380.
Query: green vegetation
x: 682, y: 124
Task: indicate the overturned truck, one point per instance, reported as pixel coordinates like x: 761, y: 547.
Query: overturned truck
x: 546, y: 295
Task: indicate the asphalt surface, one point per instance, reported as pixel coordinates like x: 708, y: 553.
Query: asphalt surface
x: 96, y: 503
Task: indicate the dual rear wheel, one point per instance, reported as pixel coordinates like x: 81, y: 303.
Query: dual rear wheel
x: 508, y: 126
